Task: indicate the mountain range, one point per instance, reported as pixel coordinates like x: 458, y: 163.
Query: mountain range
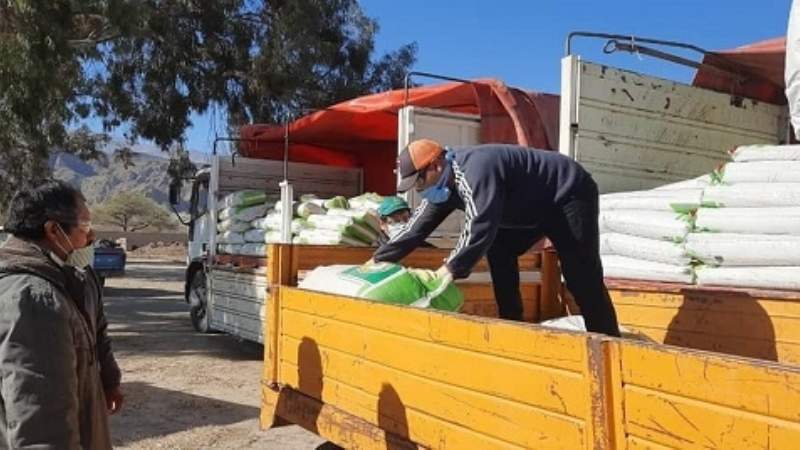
x: 101, y: 179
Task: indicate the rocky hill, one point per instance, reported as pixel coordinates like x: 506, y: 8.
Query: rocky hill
x: 102, y: 179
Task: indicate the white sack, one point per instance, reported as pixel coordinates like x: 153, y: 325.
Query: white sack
x: 723, y: 249
x: 753, y: 195
x: 615, y: 266
x: 326, y: 237
x: 787, y: 278
x: 260, y: 236
x: 251, y: 213
x: 369, y: 201
x: 365, y: 217
x: 230, y: 237
x: 694, y: 183
x: 749, y: 220
x: 345, y: 225
x: 273, y: 221
x: 748, y: 153
x: 679, y: 200
x: 641, y: 248
x: 661, y: 225
x: 243, y: 213
x: 232, y: 225
x: 761, y: 172
x: 246, y: 197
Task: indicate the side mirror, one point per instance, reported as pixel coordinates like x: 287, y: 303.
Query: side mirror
x: 175, y: 193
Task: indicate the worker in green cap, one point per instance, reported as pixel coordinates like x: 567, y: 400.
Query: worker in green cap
x: 394, y: 213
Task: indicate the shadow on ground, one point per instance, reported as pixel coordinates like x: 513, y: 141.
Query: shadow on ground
x: 147, y: 314
x: 153, y: 412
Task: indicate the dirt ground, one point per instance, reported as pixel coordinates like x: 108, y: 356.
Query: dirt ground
x: 164, y: 251
x: 183, y: 389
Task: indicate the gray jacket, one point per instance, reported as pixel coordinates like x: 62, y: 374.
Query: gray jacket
x: 50, y: 376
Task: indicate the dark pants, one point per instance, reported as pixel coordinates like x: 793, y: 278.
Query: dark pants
x: 573, y: 230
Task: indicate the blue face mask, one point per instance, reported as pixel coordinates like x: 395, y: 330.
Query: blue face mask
x: 440, y: 192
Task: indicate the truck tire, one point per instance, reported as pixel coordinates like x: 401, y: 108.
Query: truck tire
x: 197, y: 301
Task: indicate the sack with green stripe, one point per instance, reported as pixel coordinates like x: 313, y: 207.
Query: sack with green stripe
x: 243, y: 199
x: 386, y: 282
x: 345, y: 225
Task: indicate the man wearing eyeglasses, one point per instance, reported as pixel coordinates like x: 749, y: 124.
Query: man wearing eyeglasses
x: 511, y: 196
x: 58, y: 377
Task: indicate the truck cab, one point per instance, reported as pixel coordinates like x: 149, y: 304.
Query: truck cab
x: 198, y: 222
x: 226, y: 294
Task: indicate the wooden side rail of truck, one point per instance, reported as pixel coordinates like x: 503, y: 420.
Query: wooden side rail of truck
x: 371, y: 375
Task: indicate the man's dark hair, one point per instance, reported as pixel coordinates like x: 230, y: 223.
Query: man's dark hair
x: 31, y: 208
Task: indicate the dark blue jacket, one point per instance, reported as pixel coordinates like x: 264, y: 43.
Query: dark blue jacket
x: 497, y: 186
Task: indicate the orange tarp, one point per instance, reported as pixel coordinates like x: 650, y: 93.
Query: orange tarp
x: 363, y: 132
x: 760, y: 66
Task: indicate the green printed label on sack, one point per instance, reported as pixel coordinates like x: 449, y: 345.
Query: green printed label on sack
x: 374, y: 273
x: 387, y: 282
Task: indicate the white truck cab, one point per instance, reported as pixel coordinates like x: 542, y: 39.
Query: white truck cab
x: 231, y: 299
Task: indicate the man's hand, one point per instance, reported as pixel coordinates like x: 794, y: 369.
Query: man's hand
x: 114, y: 400
x: 443, y: 273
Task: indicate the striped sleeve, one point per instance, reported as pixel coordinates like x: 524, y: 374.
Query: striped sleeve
x: 483, y: 207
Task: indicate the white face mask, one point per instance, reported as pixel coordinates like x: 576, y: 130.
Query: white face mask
x: 78, y: 258
x: 394, y: 229
x: 81, y: 257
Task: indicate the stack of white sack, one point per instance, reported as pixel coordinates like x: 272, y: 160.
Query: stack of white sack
x: 235, y: 213
x: 748, y: 230
x: 643, y: 233
x: 315, y: 221
x: 366, y: 202
x: 340, y: 223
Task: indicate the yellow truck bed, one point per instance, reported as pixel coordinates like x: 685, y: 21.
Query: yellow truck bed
x: 754, y: 323
x: 370, y: 375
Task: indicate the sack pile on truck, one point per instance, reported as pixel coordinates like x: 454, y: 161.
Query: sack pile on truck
x: 747, y: 232
x: 739, y: 226
x: 337, y: 221
x: 386, y: 282
x: 249, y: 220
x: 235, y: 212
x: 643, y: 233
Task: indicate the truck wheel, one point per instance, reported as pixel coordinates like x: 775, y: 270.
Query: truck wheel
x: 197, y: 300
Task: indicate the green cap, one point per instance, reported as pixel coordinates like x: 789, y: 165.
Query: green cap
x: 391, y: 205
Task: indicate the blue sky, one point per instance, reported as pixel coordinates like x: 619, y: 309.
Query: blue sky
x: 521, y: 42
